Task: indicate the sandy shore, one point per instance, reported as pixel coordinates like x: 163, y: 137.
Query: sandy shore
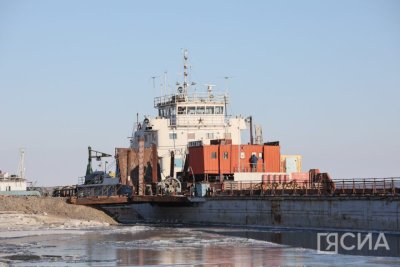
x: 24, y: 213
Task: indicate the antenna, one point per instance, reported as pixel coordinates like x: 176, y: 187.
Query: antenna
x: 185, y: 74
x: 154, y: 84
x: 226, y: 104
x: 21, y: 166
x: 165, y: 83
x: 226, y: 94
x: 227, y: 82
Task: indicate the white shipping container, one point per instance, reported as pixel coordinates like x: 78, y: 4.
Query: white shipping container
x: 291, y: 163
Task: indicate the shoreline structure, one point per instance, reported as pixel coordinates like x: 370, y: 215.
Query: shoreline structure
x: 21, y: 213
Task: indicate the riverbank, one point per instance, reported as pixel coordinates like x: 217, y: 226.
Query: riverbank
x: 21, y: 213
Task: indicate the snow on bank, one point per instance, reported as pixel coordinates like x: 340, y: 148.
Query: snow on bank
x: 29, y: 213
x: 20, y: 221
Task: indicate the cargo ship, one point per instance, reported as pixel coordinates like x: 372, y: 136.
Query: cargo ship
x: 188, y: 164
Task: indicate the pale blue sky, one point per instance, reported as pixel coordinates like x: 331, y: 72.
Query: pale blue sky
x: 323, y: 77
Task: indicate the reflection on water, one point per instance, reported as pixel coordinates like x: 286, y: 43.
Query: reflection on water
x: 308, y: 239
x: 194, y: 247
x: 179, y: 245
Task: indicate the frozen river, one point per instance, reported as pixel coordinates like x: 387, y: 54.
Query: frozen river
x: 151, y: 245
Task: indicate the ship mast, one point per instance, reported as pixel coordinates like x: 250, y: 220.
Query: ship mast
x: 21, y: 166
x: 185, y: 73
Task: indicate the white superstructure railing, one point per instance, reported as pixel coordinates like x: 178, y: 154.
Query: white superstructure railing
x: 195, y: 97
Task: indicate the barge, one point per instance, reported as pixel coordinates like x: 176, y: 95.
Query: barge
x: 189, y: 165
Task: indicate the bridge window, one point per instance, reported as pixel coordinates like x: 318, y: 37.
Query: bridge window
x: 191, y: 110
x: 213, y: 155
x: 226, y: 155
x: 209, y: 110
x: 200, y: 110
x: 219, y: 110
x: 164, y: 112
x: 181, y: 110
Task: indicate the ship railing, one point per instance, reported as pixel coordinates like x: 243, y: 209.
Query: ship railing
x: 191, y: 97
x: 207, y: 97
x: 250, y: 167
x: 345, y: 187
x: 101, y: 190
x: 12, y: 178
x: 368, y: 186
x: 64, y: 191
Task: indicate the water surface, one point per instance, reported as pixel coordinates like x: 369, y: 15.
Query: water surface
x: 179, y: 245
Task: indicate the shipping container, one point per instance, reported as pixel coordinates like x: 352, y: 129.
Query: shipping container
x: 272, y: 158
x: 291, y: 163
x: 223, y: 159
x: 196, y: 159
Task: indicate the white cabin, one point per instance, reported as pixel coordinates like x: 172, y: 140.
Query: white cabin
x: 11, y: 182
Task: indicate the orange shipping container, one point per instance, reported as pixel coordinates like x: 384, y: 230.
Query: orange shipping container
x: 228, y: 159
x: 225, y: 158
x: 272, y: 155
x: 210, y: 159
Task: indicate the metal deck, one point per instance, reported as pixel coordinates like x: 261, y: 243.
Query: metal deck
x: 112, y: 200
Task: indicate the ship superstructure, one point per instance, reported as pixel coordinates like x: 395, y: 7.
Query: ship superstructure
x: 14, y: 182
x: 184, y: 117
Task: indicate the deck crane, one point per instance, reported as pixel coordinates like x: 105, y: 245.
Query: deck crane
x: 93, y: 154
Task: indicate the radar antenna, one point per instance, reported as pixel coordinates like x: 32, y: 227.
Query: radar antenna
x: 209, y: 90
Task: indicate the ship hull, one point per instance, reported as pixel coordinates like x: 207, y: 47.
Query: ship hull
x: 356, y: 213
